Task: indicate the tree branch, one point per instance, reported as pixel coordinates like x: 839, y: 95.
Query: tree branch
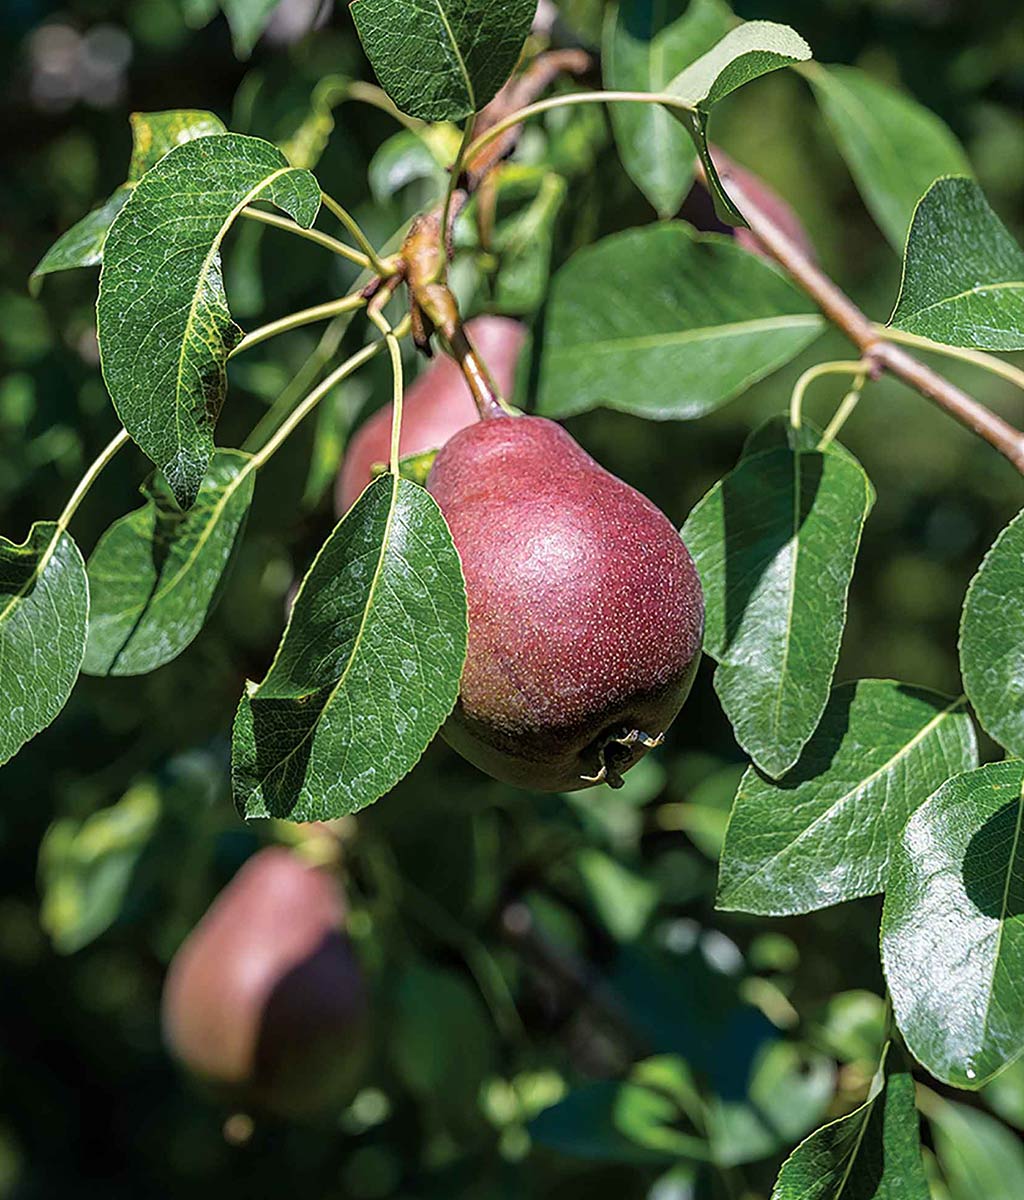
x: 882, y: 354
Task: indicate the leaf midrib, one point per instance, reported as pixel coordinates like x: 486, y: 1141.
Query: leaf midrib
x: 470, y: 91
x: 703, y: 332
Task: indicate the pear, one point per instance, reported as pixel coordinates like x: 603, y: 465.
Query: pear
x: 585, y: 609
x: 436, y: 406
x: 265, y: 1000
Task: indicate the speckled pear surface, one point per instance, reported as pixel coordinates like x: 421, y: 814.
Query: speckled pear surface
x: 585, y: 610
x: 437, y: 405
x: 265, y: 999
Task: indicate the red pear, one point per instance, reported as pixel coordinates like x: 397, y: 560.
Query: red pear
x: 585, y: 610
x: 436, y: 406
x: 265, y: 999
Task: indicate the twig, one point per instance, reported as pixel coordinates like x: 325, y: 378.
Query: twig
x: 882, y: 354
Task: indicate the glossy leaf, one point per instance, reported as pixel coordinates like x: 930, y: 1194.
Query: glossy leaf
x: 747, y: 52
x: 153, y: 135
x: 979, y: 1157
x: 86, y: 867
x: 895, y: 148
x: 646, y: 45
x: 441, y: 60
x: 992, y: 639
x: 872, y: 1154
x: 824, y: 832
x: 775, y: 543
x: 162, y: 317
x: 963, y: 274
x: 953, y: 926
x: 667, y: 324
x: 368, y: 667
x: 44, y: 608
x: 156, y: 574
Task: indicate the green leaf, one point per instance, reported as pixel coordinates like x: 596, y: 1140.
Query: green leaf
x: 953, y: 927
x: 247, y: 19
x: 992, y: 639
x: 44, y: 607
x: 872, y: 1154
x: 156, y: 574
x: 667, y: 324
x: 524, y: 244
x: 895, y: 148
x: 963, y: 274
x: 747, y: 52
x: 1005, y: 1094
x: 824, y: 832
x: 162, y: 317
x: 86, y: 867
x: 646, y: 45
x: 368, y: 667
x: 153, y: 135
x: 442, y: 60
x: 979, y: 1156
x: 775, y: 543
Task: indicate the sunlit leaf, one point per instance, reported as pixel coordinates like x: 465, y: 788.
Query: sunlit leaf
x: 368, y: 667
x: 163, y: 322
x: 963, y: 274
x: 953, y: 926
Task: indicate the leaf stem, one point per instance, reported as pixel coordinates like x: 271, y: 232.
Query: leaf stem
x: 977, y: 358
x: 842, y: 414
x: 809, y: 376
x: 295, y: 320
x: 398, y: 379
x: 311, y: 235
x: 373, y: 259
x: 370, y: 94
x: 90, y: 477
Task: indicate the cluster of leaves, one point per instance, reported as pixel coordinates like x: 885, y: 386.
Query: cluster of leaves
x: 867, y: 787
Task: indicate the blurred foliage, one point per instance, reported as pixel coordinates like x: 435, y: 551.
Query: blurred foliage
x: 505, y: 954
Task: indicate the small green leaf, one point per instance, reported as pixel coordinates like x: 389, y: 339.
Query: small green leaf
x: 646, y: 45
x: 44, y: 608
x: 747, y: 52
x: 775, y: 543
x: 86, y: 867
x: 156, y: 573
x: 992, y: 639
x: 368, y: 667
x: 953, y: 926
x: 162, y: 317
x: 963, y: 274
x: 523, y: 245
x: 442, y: 60
x: 667, y: 324
x: 895, y: 148
x: 980, y: 1158
x: 153, y: 135
x: 872, y: 1154
x: 247, y: 20
x: 824, y: 833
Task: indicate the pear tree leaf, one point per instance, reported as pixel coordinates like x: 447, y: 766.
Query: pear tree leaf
x: 646, y: 45
x: 368, y: 667
x: 442, y: 60
x: 86, y: 867
x: 992, y: 639
x: 153, y: 135
x: 874, y: 1153
x: 978, y: 1155
x: 775, y: 543
x: 824, y: 832
x: 963, y: 274
x: 953, y: 926
x: 156, y: 573
x: 747, y: 52
x: 894, y: 147
x: 163, y: 322
x: 247, y: 20
x: 44, y: 609
x: 666, y: 323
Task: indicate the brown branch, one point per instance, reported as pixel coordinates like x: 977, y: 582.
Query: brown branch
x: 882, y: 354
